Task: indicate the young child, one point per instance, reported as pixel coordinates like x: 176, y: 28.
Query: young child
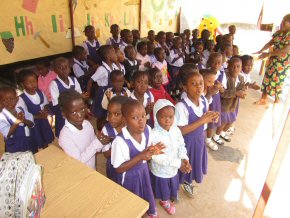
x: 232, y: 31
x: 210, y: 89
x: 101, y: 77
x: 195, y: 35
x: 164, y: 167
x: 247, y: 66
x: 62, y: 83
x: 136, y: 37
x: 230, y: 97
x: 45, y: 77
x: 169, y: 39
x: 117, y: 81
x: 215, y: 63
x: 131, y: 65
x: 77, y: 138
x: 227, y: 51
x: 236, y: 51
x: 193, y: 115
x: 142, y: 56
x: 114, y: 40
x: 161, y: 39
x: 131, y: 151
x: 197, y: 56
x: 35, y: 102
x: 161, y: 64
x: 218, y: 39
x: 14, y: 122
x: 204, y: 36
x: 209, y: 48
x: 151, y: 37
x: 150, y: 51
x: 111, y: 130
x: 126, y: 39
x: 92, y: 45
x: 120, y: 60
x: 81, y: 69
x: 157, y: 89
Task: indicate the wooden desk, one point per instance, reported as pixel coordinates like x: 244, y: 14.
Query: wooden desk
x: 74, y: 190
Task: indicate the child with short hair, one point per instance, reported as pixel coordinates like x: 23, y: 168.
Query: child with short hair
x: 117, y: 81
x: 126, y: 39
x: 157, y: 89
x: 131, y: 150
x: 169, y: 39
x: 114, y: 40
x: 120, y: 59
x: 62, y: 83
x: 236, y: 51
x: 197, y: 56
x: 136, y: 37
x: 92, y: 44
x: 150, y: 51
x: 193, y: 115
x: 111, y: 129
x: 131, y: 64
x: 142, y: 56
x: 77, y: 138
x: 194, y: 39
x: 164, y: 167
x: 161, y: 39
x: 14, y: 122
x: 209, y: 48
x: 35, y: 102
x: 161, y: 64
x: 151, y: 37
x: 247, y: 66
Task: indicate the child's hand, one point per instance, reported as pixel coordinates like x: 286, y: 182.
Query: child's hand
x: 109, y: 94
x: 157, y: 149
x: 209, y: 117
x: 20, y: 118
x: 149, y: 107
x: 104, y: 139
x: 146, y: 154
x: 85, y: 95
x: 212, y: 90
x: 185, y: 166
x: 43, y: 114
x: 241, y: 94
x: 255, y: 86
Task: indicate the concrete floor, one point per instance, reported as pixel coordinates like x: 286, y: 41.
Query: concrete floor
x: 237, y: 171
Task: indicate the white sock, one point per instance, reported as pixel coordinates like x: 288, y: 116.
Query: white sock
x: 207, y: 140
x: 216, y: 137
x: 223, y: 134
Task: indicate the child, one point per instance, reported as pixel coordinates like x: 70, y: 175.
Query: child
x: 204, y: 36
x: 230, y: 97
x: 175, y: 60
x: 131, y: 151
x: 197, y: 56
x: 127, y: 39
x: 101, y: 77
x: 157, y: 89
x: 120, y: 60
x: 142, y: 56
x: 193, y: 115
x: 150, y: 51
x: 236, y: 51
x: 195, y: 35
x: 227, y: 51
x: 62, y: 83
x: 247, y: 66
x: 161, y: 39
x: 210, y: 89
x: 161, y: 64
x: 115, y: 40
x: 136, y: 37
x: 77, y: 138
x: 117, y: 81
x: 14, y: 122
x: 209, y: 48
x: 232, y: 31
x: 187, y: 41
x: 111, y: 130
x: 164, y: 167
x: 218, y: 39
x: 92, y: 45
x: 46, y: 76
x: 151, y: 37
x: 215, y: 63
x: 81, y: 69
x: 169, y: 39
x: 131, y: 64
x: 36, y: 103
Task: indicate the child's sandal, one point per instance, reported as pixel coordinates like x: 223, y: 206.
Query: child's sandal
x: 226, y: 138
x: 168, y: 207
x: 188, y: 188
x: 218, y: 141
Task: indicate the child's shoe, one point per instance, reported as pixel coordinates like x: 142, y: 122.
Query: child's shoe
x: 168, y: 206
x: 153, y: 215
x: 212, y: 145
x: 225, y: 137
x: 187, y: 188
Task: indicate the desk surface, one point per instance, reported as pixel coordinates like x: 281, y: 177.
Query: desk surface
x: 74, y: 190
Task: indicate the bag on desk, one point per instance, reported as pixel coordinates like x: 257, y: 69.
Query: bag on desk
x: 21, y: 191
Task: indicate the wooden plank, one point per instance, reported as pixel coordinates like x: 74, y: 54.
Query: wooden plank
x: 74, y: 190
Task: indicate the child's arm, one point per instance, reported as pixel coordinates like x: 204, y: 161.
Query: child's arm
x: 13, y: 128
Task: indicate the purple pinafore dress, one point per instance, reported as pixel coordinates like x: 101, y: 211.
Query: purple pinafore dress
x: 59, y: 120
x: 18, y: 142
x: 196, y: 149
x: 84, y: 80
x: 93, y: 52
x: 137, y: 179
x: 41, y: 133
x: 216, y: 103
x: 110, y: 170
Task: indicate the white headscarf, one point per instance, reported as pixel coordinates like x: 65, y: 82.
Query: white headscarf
x: 161, y: 103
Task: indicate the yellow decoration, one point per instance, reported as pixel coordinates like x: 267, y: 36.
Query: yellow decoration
x: 170, y: 22
x: 149, y: 24
x: 210, y: 23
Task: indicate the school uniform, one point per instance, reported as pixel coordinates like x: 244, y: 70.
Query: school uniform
x: 111, y: 93
x: 113, y: 42
x: 41, y: 133
x: 44, y: 82
x: 247, y: 77
x: 131, y: 67
x: 188, y: 113
x: 122, y: 46
x: 143, y: 60
x: 162, y: 66
x: 56, y: 87
x: 121, y: 67
x: 80, y: 144
x: 81, y: 71
x: 174, y: 64
x: 136, y: 179
x: 92, y: 50
x: 20, y: 141
x: 161, y: 94
x: 108, y: 130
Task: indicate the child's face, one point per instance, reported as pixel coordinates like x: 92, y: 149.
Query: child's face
x: 75, y: 113
x: 136, y: 35
x: 131, y: 54
x: 128, y: 38
x: 9, y: 100
x: 42, y: 70
x: 195, y: 33
x: 199, y: 48
x: 151, y: 36
x: 247, y: 68
x: 157, y: 80
x: 141, y: 85
x: 232, y: 30
x: 120, y: 56
x: 162, y: 39
x: 210, y: 46
x: 194, y: 86
x: 229, y: 51
x: 150, y: 48
x: 235, y: 51
x: 30, y: 84
x: 209, y: 81
x: 235, y: 68
x: 90, y: 33
x: 216, y: 63
x: 115, y: 31
x: 161, y: 56
x: 177, y: 43
x: 118, y: 83
x: 136, y: 120
x: 115, y: 117
x: 165, y: 117
x: 187, y: 34
x: 112, y: 55
x: 63, y: 69
x: 143, y: 50
x: 83, y: 55
x: 169, y: 37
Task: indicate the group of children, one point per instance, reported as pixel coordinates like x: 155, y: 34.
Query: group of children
x: 152, y: 143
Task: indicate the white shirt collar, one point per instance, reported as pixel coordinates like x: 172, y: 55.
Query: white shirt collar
x: 92, y: 44
x: 72, y: 127
x: 132, y: 63
x: 237, y: 81
x: 83, y: 63
x: 198, y: 110
x: 134, y: 97
x: 127, y: 135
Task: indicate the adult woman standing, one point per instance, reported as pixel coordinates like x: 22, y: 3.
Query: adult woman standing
x: 278, y: 63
